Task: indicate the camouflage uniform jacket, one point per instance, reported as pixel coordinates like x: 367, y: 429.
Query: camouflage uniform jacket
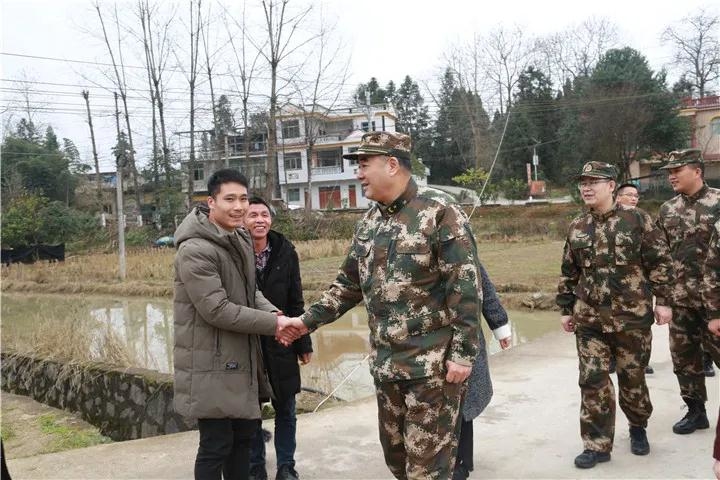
x: 687, y: 221
x: 711, y: 275
x: 613, y: 263
x: 413, y: 264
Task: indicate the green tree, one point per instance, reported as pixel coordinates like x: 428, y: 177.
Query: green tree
x: 35, y: 166
x: 627, y: 111
x: 533, y: 124
x: 461, y: 137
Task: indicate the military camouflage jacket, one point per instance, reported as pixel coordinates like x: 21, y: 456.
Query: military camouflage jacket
x: 711, y: 275
x: 612, y: 265
x: 413, y: 264
x: 687, y: 222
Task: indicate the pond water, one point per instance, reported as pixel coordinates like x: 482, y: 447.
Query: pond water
x: 139, y: 332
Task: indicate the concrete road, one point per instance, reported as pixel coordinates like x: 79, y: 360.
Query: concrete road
x: 530, y: 430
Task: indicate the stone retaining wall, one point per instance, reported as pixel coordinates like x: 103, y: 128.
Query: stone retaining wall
x: 124, y: 403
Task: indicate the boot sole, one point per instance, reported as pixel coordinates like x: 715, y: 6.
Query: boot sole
x: 599, y: 460
x: 688, y: 432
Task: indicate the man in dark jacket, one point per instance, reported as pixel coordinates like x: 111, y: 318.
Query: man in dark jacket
x: 278, y: 276
x: 218, y: 315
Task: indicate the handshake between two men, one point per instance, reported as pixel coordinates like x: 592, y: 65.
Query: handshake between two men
x: 289, y: 329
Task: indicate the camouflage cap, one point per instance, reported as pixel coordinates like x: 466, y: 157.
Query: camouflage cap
x: 679, y: 158
x: 598, y: 170
x: 392, y: 144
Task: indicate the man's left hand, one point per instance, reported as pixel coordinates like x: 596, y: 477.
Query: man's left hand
x: 663, y: 315
x: 305, y: 358
x: 505, y: 343
x: 714, y: 326
x: 456, y: 373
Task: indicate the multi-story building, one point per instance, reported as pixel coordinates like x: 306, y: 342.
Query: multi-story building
x: 310, y: 146
x: 310, y: 149
x: 704, y: 117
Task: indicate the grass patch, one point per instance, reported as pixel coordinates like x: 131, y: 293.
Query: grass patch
x: 65, y: 437
x: 7, y: 432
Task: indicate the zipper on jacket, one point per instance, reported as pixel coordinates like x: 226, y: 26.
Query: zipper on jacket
x: 217, y: 342
x: 250, y: 353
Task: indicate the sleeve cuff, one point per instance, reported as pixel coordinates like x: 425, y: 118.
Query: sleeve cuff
x: 502, y: 332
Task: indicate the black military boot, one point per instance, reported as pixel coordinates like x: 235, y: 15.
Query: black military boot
x: 694, y: 419
x: 639, y: 444
x: 590, y: 458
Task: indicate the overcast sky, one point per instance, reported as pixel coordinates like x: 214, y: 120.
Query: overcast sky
x: 387, y: 40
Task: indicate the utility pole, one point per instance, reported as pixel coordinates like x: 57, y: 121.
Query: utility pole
x: 535, y: 159
x: 120, y: 213
x: 119, y: 167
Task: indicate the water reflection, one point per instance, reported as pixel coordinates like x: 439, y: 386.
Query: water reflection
x: 138, y: 332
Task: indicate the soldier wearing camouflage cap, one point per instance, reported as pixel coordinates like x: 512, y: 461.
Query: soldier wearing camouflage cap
x: 412, y: 261
x: 687, y: 221
x: 614, y: 259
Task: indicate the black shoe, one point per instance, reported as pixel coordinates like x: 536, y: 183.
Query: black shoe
x: 460, y: 472
x: 590, y: 458
x: 649, y: 370
x: 638, y: 441
x: 694, y: 419
x: 286, y: 472
x: 708, y: 369
x: 258, y: 473
x: 613, y: 364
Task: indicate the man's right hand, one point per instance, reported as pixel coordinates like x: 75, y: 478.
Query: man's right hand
x: 567, y: 323
x: 289, y: 329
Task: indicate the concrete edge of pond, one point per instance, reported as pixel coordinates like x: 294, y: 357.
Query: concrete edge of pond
x: 530, y: 430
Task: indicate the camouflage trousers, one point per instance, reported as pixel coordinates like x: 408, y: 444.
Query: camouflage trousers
x: 689, y: 335
x: 419, y: 426
x: 631, y: 349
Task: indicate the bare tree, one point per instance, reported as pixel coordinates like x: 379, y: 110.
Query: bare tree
x: 280, y: 29
x: 121, y: 84
x: 156, y: 48
x: 326, y: 85
x: 246, y: 62
x: 98, y: 180
x: 697, y: 49
x: 195, y: 28
x: 574, y: 51
x: 505, y: 55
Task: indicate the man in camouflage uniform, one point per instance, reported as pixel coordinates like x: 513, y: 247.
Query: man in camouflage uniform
x: 687, y: 221
x: 614, y: 260
x: 711, y: 301
x: 412, y: 262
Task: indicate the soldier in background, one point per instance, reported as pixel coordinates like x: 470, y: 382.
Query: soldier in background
x: 711, y: 301
x: 412, y: 262
x: 628, y: 196
x: 686, y: 221
x: 613, y: 261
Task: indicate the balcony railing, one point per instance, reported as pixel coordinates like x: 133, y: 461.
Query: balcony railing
x: 706, y: 102
x: 320, y: 171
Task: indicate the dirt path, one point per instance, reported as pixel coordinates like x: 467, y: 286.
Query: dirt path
x: 31, y: 428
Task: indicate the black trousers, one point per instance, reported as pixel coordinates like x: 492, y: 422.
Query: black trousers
x: 224, y: 448
x: 465, y: 445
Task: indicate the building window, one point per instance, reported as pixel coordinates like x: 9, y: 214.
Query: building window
x: 353, y: 161
x: 291, y: 129
x: 253, y: 169
x: 715, y: 126
x: 366, y: 127
x: 330, y: 158
x: 199, y: 173
x: 293, y: 194
x: 293, y: 161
